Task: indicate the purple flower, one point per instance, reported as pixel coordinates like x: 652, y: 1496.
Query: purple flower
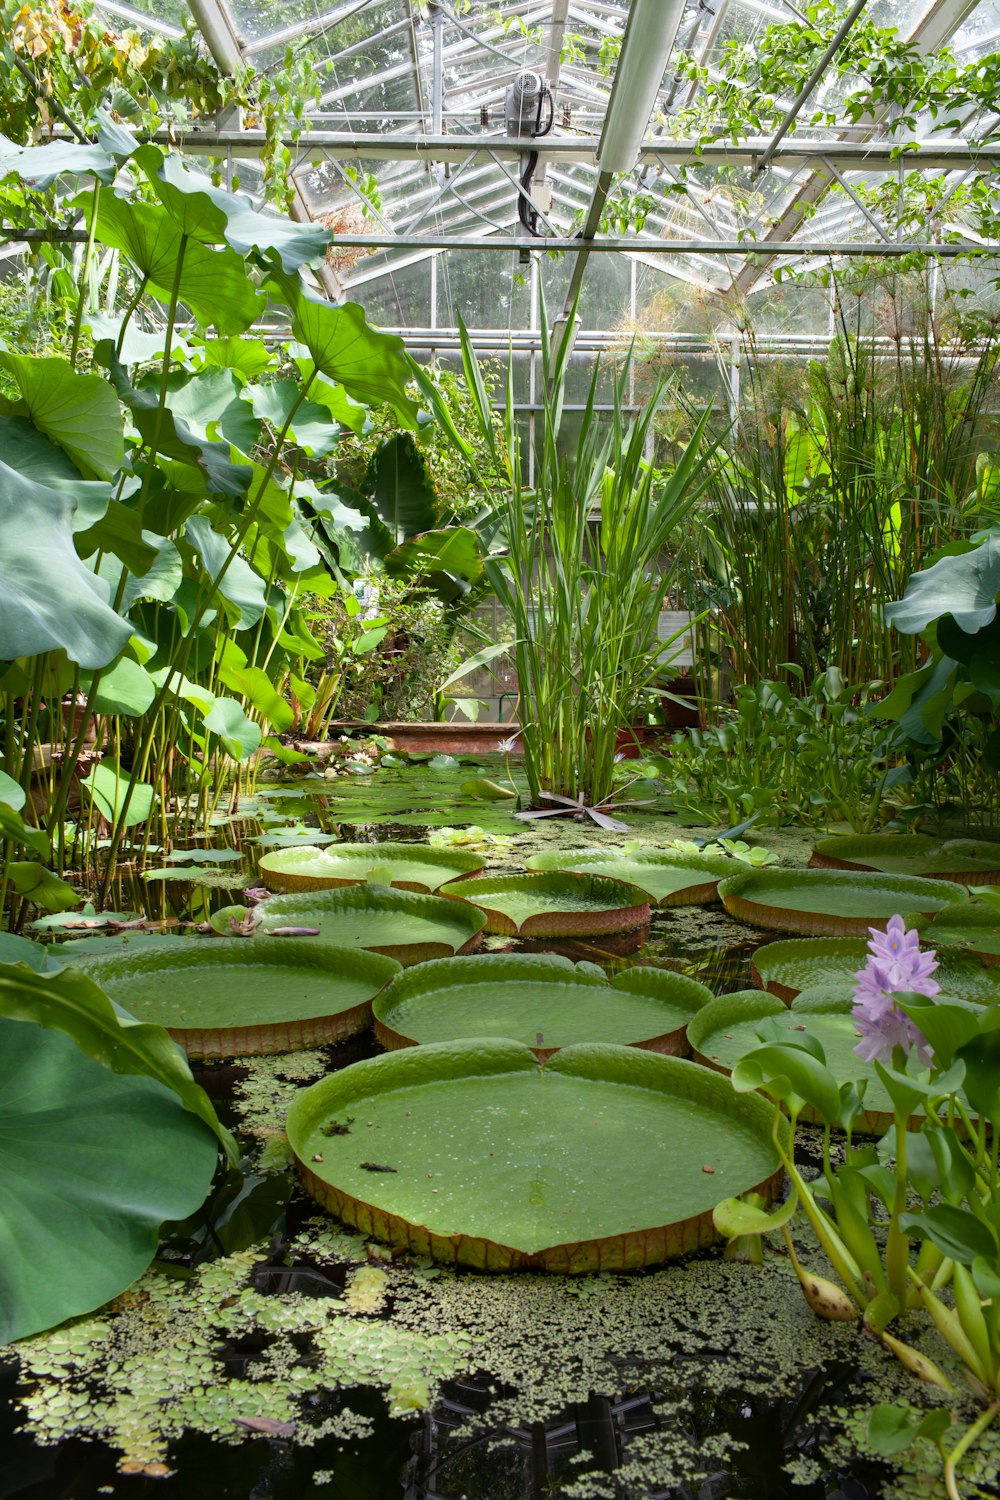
x: 895, y: 964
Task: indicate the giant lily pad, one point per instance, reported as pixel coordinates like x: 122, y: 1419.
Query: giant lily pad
x: 785, y: 968
x: 830, y: 902
x: 93, y: 1162
x: 968, y: 861
x: 551, y: 904
x: 604, y: 1158
x: 544, y: 1001
x: 668, y: 878
x: 404, y: 925
x: 967, y: 927
x: 239, y: 997
x: 410, y: 867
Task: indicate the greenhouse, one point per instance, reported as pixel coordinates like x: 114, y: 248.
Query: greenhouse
x: 500, y: 724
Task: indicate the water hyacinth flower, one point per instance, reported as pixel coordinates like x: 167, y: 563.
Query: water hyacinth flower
x: 895, y: 965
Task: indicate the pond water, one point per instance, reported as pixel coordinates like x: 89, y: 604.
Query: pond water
x: 314, y: 1364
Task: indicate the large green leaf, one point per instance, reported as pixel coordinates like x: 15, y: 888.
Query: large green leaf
x: 213, y: 215
x: 241, y: 997
x: 209, y: 406
x: 405, y: 925
x: 161, y: 581
x: 543, y: 1001
x: 79, y: 412
x: 257, y: 687
x: 108, y: 788
x: 371, y: 366
x: 11, y: 793
x: 91, y: 1164
x: 240, y: 736
x: 399, y: 483
x: 213, y: 283
x: 41, y: 166
x: 240, y: 586
x: 312, y: 430
x: 68, y: 1001
x: 964, y: 585
x: 447, y: 561
x: 411, y: 866
x: 39, y: 885
x: 120, y: 533
x: 514, y: 1197
x: 126, y: 689
x: 48, y: 597
x: 35, y: 456
x: 555, y: 903
x: 829, y: 901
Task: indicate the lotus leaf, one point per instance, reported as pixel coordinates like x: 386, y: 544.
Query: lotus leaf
x: 93, y: 1162
x: 831, y: 902
x: 404, y: 925
x: 555, y: 904
x: 471, y: 1152
x: 968, y: 861
x: 245, y: 997
x: 668, y: 879
x: 413, y: 867
x: 544, y: 1001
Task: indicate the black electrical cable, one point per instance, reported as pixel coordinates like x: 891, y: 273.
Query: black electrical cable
x: 526, y: 211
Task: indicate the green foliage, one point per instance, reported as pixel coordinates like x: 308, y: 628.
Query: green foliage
x: 778, y: 758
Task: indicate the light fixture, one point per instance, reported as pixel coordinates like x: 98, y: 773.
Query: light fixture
x: 649, y: 37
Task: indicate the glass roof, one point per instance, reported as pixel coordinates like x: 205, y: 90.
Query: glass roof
x: 409, y: 160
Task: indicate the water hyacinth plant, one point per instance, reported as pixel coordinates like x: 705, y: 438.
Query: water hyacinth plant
x: 895, y: 963
x: 940, y: 1064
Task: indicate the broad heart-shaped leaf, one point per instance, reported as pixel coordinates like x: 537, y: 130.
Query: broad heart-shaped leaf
x: 108, y: 788
x: 400, y: 486
x: 447, y: 561
x: 174, y: 439
x: 91, y: 1164
x: 240, y: 736
x: 126, y: 689
x: 946, y: 1027
x: 119, y: 531
x: 39, y: 885
x: 240, y: 587
x: 371, y: 366
x: 35, y: 456
x: 210, y: 399
x: 48, y: 597
x: 68, y: 1001
x: 213, y: 283
x: 212, y: 215
x: 79, y: 412
x: 313, y: 429
x: 161, y: 581
x: 957, y: 1232
x: 11, y: 792
x: 41, y: 166
x: 964, y: 585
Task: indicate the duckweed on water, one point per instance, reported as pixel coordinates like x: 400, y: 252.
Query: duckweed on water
x: 161, y: 1360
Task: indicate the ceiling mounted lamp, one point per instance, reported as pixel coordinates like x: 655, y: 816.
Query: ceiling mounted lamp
x: 646, y: 46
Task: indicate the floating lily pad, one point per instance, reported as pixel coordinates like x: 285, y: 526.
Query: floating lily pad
x: 405, y: 925
x: 239, y: 997
x: 551, y: 904
x: 968, y: 861
x: 830, y: 902
x: 604, y: 1158
x: 669, y: 879
x: 787, y: 967
x: 410, y: 867
x: 545, y: 1002
x: 969, y: 928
